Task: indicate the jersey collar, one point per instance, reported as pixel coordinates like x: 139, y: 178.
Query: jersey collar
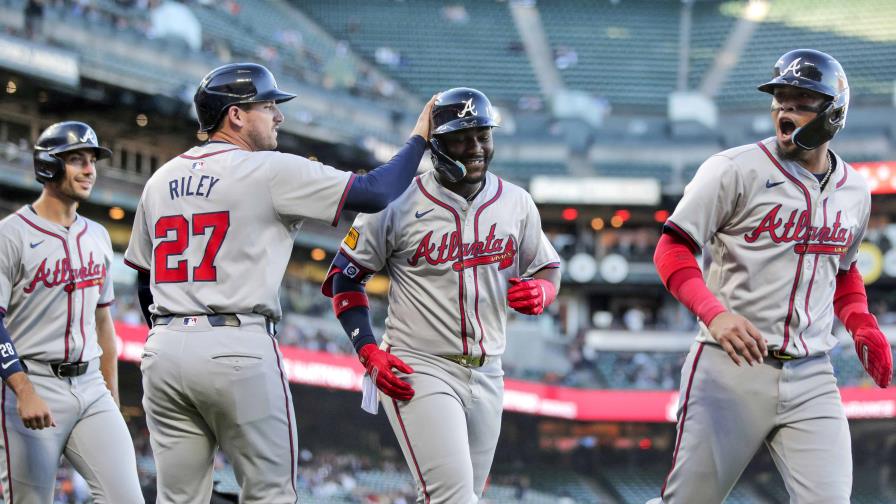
x: 837, y: 177
x: 433, y: 186
x: 28, y: 212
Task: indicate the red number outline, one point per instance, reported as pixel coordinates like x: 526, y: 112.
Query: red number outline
x: 220, y: 224
x: 206, y: 271
x: 175, y: 246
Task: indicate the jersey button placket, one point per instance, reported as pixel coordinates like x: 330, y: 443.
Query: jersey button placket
x: 470, y: 280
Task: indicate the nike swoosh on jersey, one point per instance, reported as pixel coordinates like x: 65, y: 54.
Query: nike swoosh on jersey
x: 419, y: 214
x: 769, y: 184
x: 35, y: 244
x: 7, y: 364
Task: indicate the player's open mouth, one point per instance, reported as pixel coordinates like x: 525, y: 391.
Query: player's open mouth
x: 786, y: 127
x: 474, y: 163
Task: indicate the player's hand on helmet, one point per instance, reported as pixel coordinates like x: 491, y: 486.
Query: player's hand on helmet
x: 530, y: 295
x: 424, y: 120
x: 379, y: 366
x: 33, y: 411
x: 739, y: 338
x: 872, y: 348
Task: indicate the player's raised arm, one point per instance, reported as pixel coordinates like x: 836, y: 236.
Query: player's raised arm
x: 372, y: 192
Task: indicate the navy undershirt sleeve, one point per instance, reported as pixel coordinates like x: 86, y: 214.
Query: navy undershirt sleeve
x: 374, y: 191
x: 355, y: 321
x: 9, y: 359
x: 144, y: 296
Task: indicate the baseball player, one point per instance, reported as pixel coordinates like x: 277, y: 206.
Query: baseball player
x: 58, y: 358
x: 212, y: 237
x: 783, y: 219
x: 460, y: 246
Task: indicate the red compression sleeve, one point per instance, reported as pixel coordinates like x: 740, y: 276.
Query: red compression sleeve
x: 849, y: 296
x: 681, y: 275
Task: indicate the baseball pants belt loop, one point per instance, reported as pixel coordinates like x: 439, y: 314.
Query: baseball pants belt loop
x: 215, y: 320
x: 467, y: 361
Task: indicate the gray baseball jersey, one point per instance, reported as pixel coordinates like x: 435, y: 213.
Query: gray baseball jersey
x: 215, y: 229
x: 52, y: 279
x: 217, y: 226
x: 449, y: 261
x: 776, y: 240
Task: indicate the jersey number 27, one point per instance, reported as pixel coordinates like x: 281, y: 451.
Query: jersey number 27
x: 219, y: 222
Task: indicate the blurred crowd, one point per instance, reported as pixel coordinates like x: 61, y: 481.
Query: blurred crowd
x: 175, y: 24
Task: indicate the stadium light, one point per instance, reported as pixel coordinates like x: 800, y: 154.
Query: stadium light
x: 617, y: 221
x: 142, y: 120
x: 597, y: 223
x: 11, y: 87
x: 116, y: 213
x: 756, y: 10
x: 661, y: 216
x: 570, y: 214
x: 318, y: 254
x: 623, y: 214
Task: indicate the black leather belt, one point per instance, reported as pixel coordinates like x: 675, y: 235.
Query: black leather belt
x: 69, y: 369
x: 214, y: 320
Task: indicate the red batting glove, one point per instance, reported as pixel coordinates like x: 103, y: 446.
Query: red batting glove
x: 531, y: 295
x: 872, y: 347
x: 379, y: 366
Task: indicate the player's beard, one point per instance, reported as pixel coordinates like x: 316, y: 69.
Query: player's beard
x: 791, y: 153
x: 261, y: 140
x: 67, y: 189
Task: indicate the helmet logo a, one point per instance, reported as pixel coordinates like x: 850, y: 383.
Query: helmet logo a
x: 469, y: 106
x: 89, y: 137
x: 793, y: 67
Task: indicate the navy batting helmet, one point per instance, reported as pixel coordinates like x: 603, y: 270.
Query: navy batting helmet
x: 457, y: 109
x: 234, y: 84
x: 819, y: 72
x: 59, y: 138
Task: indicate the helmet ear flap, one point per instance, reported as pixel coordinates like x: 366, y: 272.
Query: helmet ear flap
x: 47, y: 167
x: 451, y: 169
x: 821, y: 129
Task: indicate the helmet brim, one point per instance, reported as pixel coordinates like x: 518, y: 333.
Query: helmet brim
x: 804, y: 84
x: 274, y: 95
x: 101, y: 152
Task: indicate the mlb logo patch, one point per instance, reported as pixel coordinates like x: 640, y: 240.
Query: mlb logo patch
x: 198, y: 165
x: 190, y: 321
